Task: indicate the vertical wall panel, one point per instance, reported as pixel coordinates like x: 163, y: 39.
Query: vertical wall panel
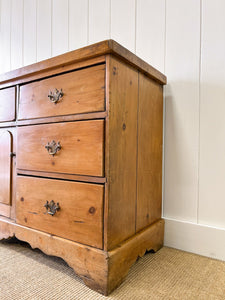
x: 43, y: 29
x: 1, y: 50
x: 182, y: 109
x: 17, y: 34
x: 5, y: 33
x: 212, y: 115
x: 99, y: 20
x: 29, y: 32
x: 78, y: 24
x: 150, y: 35
x: 60, y: 43
x: 123, y: 22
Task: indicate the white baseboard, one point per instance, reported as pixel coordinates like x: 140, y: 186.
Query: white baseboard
x: 200, y: 239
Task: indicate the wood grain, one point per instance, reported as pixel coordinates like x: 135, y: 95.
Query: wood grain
x: 13, y: 131
x: 69, y: 118
x: 82, y: 178
x: 81, y: 153
x: 5, y: 166
x: 136, y: 62
x: 122, y: 151
x: 82, y: 54
x: 5, y: 210
x: 149, y: 173
x: 125, y: 255
x: 7, y: 172
x: 106, y: 162
x: 88, y: 262
x: 72, y: 66
x: 81, y: 208
x: 7, y: 104
x: 100, y: 270
x: 107, y: 175
x: 83, y: 91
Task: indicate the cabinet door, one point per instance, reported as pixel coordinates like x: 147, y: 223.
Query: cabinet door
x: 5, y: 166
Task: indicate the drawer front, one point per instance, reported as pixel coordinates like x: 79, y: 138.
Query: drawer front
x: 81, y: 148
x: 83, y: 91
x: 7, y: 104
x: 80, y: 214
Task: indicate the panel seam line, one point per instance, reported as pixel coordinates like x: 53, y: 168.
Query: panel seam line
x: 199, y: 114
x: 137, y: 155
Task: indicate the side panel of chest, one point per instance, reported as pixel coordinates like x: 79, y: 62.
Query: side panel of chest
x: 121, y: 152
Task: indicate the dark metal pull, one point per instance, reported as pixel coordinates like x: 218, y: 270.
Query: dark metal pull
x: 52, y: 207
x: 55, y: 96
x: 12, y: 154
x: 53, y: 148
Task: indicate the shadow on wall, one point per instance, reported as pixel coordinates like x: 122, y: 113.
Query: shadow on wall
x: 181, y: 132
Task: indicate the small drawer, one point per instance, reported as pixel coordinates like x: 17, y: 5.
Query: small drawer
x: 70, y: 148
x: 8, y: 104
x: 70, y: 210
x: 81, y: 91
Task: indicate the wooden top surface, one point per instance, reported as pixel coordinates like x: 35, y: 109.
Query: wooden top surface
x: 94, y: 50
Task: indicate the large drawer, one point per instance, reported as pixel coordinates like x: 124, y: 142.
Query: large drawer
x: 80, y: 213
x: 83, y: 91
x: 81, y: 150
x: 7, y: 104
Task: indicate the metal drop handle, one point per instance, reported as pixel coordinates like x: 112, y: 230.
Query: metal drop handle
x: 53, y: 147
x: 51, y: 207
x: 55, y: 96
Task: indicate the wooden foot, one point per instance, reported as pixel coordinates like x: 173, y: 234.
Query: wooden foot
x: 124, y: 256
x: 101, y: 271
x: 89, y: 263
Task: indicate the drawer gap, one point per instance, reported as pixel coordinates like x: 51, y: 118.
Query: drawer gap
x: 99, y: 115
x: 64, y: 177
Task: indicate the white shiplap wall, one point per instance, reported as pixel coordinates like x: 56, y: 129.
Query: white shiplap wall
x: 185, y: 39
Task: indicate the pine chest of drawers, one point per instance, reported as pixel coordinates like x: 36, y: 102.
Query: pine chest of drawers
x: 81, y: 160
